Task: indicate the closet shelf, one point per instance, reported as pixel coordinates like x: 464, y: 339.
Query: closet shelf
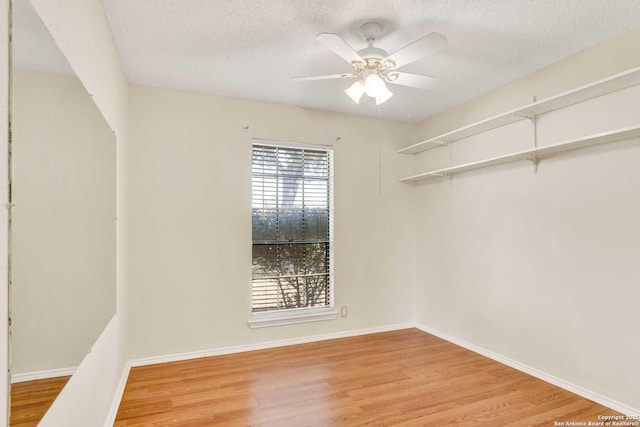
x: 533, y: 154
x: 583, y: 93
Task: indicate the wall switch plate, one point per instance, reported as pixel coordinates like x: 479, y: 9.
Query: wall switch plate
x: 344, y: 311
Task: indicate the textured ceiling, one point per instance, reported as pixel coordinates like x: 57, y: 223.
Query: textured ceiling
x: 250, y: 48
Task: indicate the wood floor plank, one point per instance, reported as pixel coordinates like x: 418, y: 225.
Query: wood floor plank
x: 30, y: 400
x: 403, y: 377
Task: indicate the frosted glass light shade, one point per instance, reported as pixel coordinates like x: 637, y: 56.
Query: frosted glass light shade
x: 355, y: 91
x: 383, y: 96
x: 373, y: 85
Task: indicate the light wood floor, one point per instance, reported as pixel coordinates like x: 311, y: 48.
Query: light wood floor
x: 30, y: 400
x: 406, y: 377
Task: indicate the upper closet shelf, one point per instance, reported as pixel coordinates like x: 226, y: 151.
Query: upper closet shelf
x: 532, y: 154
x: 583, y: 93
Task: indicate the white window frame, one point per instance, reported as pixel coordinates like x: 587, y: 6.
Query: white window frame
x: 306, y: 314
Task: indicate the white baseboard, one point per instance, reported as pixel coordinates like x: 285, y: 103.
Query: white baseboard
x: 261, y: 346
x: 42, y: 375
x: 117, y: 397
x: 588, y: 394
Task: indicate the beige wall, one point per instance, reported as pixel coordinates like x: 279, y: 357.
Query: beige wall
x: 540, y: 267
x: 4, y: 213
x: 81, y: 30
x: 63, y: 236
x: 190, y: 219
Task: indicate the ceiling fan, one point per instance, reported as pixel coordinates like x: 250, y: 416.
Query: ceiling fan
x: 373, y: 66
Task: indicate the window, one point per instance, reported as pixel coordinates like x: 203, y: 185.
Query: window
x: 292, y: 234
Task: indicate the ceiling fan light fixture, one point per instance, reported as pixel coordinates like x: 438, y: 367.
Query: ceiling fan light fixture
x: 375, y: 88
x: 355, y: 91
x: 383, y: 96
x: 392, y: 77
x: 373, y: 85
x: 373, y: 67
x: 388, y: 64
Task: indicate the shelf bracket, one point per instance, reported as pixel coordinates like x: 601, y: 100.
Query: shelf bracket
x: 534, y: 161
x: 440, y: 143
x: 534, y: 122
x: 526, y: 116
x: 535, y: 132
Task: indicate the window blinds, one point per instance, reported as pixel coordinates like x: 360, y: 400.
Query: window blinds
x: 291, y: 217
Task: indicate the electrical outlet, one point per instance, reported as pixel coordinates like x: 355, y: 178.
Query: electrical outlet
x: 344, y: 311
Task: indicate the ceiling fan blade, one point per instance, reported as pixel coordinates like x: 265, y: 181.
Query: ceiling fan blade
x: 329, y: 76
x: 416, y: 80
x: 339, y: 47
x: 428, y: 45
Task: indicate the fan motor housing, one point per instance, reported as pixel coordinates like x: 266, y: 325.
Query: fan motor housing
x: 372, y: 52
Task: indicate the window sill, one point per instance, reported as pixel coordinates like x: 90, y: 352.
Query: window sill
x: 263, y: 320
